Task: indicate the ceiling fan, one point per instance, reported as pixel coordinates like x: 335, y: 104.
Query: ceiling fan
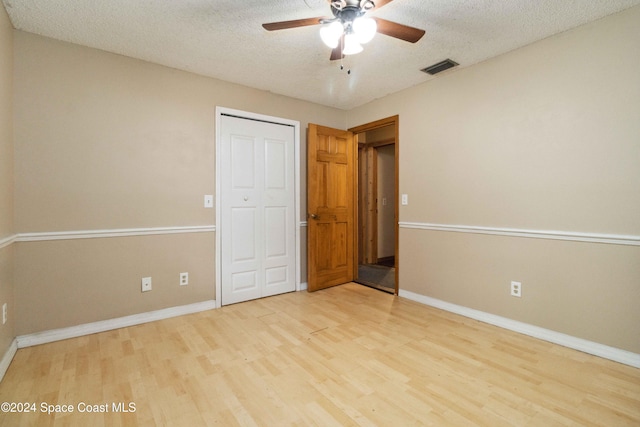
x: 350, y: 28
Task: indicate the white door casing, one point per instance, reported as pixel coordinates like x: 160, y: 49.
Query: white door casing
x: 257, y: 250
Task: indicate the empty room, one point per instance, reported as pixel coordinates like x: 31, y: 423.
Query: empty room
x: 191, y: 194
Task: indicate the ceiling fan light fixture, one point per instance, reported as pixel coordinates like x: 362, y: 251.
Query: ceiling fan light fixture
x: 351, y: 45
x: 331, y: 33
x: 350, y: 28
x: 365, y: 28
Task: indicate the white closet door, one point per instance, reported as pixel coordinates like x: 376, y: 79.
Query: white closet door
x: 257, y: 209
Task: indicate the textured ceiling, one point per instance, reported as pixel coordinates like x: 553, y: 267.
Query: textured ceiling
x: 224, y: 38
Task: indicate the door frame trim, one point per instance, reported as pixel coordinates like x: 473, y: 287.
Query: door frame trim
x: 224, y: 111
x: 392, y: 120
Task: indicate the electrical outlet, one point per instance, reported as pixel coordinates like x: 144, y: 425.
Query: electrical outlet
x: 184, y: 279
x: 146, y: 284
x: 405, y: 199
x: 4, y: 313
x: 516, y: 289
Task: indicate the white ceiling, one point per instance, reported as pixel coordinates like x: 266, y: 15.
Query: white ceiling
x: 224, y: 38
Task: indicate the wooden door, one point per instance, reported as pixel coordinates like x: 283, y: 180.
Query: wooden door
x: 258, y: 219
x: 331, y: 195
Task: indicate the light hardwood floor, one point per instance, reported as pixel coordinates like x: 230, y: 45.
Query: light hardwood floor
x: 348, y: 355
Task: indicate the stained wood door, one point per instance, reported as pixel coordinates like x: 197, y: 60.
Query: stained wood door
x: 331, y: 195
x: 258, y: 219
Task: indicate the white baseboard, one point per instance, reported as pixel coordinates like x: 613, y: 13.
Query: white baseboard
x: 107, y: 325
x: 8, y: 357
x: 600, y: 350
x: 303, y: 286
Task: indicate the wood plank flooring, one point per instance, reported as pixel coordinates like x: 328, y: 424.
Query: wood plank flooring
x: 345, y: 356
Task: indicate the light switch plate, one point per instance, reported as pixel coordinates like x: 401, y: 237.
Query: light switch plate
x: 208, y: 201
x: 405, y: 199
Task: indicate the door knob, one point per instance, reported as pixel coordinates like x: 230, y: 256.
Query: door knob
x: 313, y: 216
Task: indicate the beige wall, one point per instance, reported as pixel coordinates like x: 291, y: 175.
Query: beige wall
x: 108, y: 142
x: 104, y: 141
x: 6, y: 178
x: 546, y: 137
x: 71, y: 282
x: 6, y: 126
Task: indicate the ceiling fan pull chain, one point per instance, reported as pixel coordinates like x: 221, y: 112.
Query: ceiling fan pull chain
x: 342, y: 57
x: 342, y: 67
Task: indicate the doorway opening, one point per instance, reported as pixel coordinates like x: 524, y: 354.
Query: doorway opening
x: 377, y: 210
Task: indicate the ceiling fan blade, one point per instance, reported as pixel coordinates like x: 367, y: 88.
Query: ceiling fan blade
x: 292, y: 24
x: 399, y: 31
x: 336, y: 53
